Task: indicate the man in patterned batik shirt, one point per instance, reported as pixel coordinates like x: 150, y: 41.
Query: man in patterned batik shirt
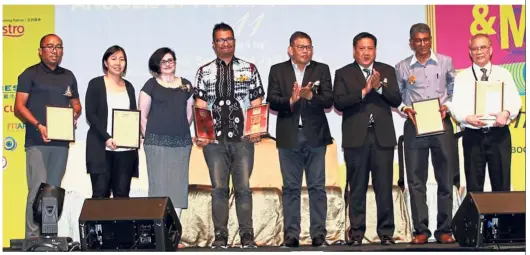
x: 228, y: 86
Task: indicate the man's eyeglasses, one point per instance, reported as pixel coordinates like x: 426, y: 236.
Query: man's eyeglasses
x: 169, y: 61
x: 420, y: 40
x: 223, y: 40
x: 302, y: 47
x: 52, y: 47
x: 481, y: 48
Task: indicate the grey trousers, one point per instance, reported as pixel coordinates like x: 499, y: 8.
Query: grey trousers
x: 43, y: 164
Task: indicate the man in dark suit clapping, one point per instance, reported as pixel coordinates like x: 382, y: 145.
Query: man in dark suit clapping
x: 364, y: 92
x: 299, y: 90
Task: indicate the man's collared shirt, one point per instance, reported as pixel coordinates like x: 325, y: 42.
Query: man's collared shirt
x: 228, y: 89
x: 419, y: 82
x: 45, y: 87
x: 463, y: 103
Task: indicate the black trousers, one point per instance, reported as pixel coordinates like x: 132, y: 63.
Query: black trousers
x: 117, y: 178
x: 370, y: 157
x: 444, y: 156
x: 492, y: 146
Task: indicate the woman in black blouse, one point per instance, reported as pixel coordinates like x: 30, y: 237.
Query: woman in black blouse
x: 110, y: 168
x: 165, y: 102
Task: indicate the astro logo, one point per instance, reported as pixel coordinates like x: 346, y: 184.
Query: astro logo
x: 13, y: 30
x: 4, y: 162
x: 10, y: 144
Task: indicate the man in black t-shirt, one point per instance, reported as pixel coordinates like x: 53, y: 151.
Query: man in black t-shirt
x: 44, y: 84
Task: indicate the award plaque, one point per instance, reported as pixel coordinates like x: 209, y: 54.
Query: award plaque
x: 60, y: 123
x: 489, y: 98
x: 126, y: 128
x: 428, y: 118
x: 257, y: 120
x: 204, y: 124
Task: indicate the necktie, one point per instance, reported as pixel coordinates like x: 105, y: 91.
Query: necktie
x: 367, y: 71
x: 484, y: 76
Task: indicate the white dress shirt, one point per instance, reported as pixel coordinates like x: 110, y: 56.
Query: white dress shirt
x: 463, y: 103
x: 299, y: 79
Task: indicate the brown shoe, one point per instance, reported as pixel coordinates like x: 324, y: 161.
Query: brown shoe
x: 420, y: 239
x: 446, y: 239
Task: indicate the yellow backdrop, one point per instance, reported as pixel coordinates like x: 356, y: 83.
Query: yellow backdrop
x: 23, y: 27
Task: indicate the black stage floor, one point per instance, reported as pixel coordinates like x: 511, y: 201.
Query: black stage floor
x: 403, y: 247
x: 367, y: 247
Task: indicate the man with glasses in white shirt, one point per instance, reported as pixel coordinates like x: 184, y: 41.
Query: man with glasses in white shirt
x: 485, y: 141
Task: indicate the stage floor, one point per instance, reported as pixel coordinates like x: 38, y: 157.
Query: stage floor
x: 366, y: 247
x: 403, y: 247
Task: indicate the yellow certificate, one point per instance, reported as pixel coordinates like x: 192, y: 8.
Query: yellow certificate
x: 428, y: 118
x: 489, y: 98
x: 60, y: 123
x: 126, y: 128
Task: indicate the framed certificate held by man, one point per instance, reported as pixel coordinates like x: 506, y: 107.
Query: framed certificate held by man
x: 257, y: 120
x: 60, y: 123
x: 126, y: 128
x: 204, y: 128
x: 428, y: 118
x: 489, y: 98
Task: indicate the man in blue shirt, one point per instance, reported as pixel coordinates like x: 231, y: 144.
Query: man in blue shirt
x: 423, y: 76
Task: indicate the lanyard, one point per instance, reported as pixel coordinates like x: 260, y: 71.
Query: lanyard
x: 475, y: 74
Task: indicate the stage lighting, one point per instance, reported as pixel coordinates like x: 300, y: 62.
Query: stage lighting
x: 47, y: 209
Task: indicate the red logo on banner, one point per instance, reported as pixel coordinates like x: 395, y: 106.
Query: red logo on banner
x: 13, y: 30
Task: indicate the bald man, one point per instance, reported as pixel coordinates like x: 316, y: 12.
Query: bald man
x: 486, y: 139
x: 42, y: 84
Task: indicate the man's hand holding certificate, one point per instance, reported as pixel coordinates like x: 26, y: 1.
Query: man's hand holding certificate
x: 257, y: 121
x: 489, y: 99
x: 428, y: 117
x: 204, y: 129
x: 59, y: 124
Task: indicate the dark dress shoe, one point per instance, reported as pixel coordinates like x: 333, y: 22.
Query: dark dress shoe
x: 355, y: 241
x: 445, y: 239
x: 387, y: 240
x: 290, y: 242
x: 420, y: 239
x: 319, y: 241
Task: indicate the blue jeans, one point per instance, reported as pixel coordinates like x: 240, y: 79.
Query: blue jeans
x: 293, y: 161
x: 222, y: 159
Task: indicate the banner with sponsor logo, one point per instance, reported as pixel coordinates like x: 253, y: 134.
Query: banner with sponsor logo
x: 452, y: 28
x: 22, y: 28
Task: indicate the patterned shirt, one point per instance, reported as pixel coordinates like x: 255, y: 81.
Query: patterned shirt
x: 228, y: 89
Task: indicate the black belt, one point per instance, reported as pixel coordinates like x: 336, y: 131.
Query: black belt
x: 371, y: 124
x: 300, y: 126
x: 485, y: 130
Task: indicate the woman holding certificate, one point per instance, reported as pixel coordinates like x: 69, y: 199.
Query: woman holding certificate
x: 111, y: 168
x: 165, y: 104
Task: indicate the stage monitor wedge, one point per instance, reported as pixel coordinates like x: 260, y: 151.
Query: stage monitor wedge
x: 490, y: 219
x: 142, y: 224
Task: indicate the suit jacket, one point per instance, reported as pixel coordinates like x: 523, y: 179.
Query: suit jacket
x: 349, y: 81
x: 96, y: 109
x: 315, y: 123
